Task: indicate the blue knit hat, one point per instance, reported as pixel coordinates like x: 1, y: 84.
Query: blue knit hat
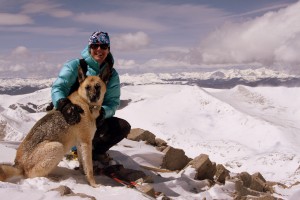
x: 99, y: 38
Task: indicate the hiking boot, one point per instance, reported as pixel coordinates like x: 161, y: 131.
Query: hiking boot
x: 104, y: 159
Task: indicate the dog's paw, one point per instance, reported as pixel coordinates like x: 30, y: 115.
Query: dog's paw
x: 94, y: 185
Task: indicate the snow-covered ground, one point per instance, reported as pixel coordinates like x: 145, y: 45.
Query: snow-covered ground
x: 243, y: 128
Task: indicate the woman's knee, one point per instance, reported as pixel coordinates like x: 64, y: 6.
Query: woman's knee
x: 125, y: 127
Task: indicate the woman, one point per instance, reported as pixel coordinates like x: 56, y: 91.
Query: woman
x: 97, y: 59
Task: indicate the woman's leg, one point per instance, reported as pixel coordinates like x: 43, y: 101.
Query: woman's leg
x: 109, y: 132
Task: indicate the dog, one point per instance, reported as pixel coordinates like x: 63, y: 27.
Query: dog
x: 52, y: 137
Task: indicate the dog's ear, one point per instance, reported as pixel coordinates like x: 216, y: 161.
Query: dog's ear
x: 105, y: 75
x: 81, y: 75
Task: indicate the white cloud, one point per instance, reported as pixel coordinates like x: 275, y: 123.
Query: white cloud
x: 116, y: 19
x: 3, y: 63
x: 16, y: 67
x: 51, y: 9
x: 166, y: 63
x: 130, y: 41
x: 289, y: 51
x: 25, y: 62
x: 125, y: 64
x: 44, y: 30
x: 262, y: 10
x: 14, y: 19
x: 20, y: 51
x: 270, y: 39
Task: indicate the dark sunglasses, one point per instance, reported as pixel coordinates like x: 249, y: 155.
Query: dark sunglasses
x: 96, y: 46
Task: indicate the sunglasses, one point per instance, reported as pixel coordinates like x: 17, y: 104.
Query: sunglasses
x: 96, y: 46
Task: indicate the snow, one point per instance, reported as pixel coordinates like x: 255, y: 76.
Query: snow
x: 244, y: 128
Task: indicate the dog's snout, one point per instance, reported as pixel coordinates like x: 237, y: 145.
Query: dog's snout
x: 94, y: 98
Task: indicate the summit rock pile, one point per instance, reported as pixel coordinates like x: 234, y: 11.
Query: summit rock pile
x: 247, y: 186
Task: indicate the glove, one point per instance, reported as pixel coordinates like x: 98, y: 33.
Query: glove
x: 100, y: 119
x: 49, y: 107
x: 102, y: 114
x: 70, y: 111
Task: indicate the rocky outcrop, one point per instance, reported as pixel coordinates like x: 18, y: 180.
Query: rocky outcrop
x: 251, y: 185
x: 246, y: 186
x: 29, y: 107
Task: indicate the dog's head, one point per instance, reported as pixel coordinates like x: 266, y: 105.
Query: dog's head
x: 92, y: 88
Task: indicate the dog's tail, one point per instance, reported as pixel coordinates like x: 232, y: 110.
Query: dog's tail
x: 9, y: 171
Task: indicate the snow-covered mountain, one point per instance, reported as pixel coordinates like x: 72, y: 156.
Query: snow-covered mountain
x: 23, y: 86
x: 219, y: 79
x: 18, y: 113
x: 213, y: 79
x: 253, y: 129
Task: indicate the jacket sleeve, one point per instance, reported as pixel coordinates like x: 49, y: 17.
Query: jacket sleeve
x: 66, y: 78
x: 112, y: 96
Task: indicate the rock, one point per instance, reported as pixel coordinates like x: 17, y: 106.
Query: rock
x: 246, y: 179
x: 241, y: 191
x: 161, y: 149
x: 138, y: 134
x: 63, y: 190
x: 84, y: 196
x: 221, y: 174
x: 160, y: 142
x: 271, y: 184
x: 252, y: 187
x: 2, y: 175
x: 66, y: 191
x: 259, y: 183
x: 133, y: 175
x: 255, y: 182
x: 147, y: 189
x: 204, y: 167
x: 174, y: 159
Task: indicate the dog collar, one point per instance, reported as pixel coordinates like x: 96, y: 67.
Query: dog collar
x: 95, y: 108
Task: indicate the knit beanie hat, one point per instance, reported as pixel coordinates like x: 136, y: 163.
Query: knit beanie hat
x: 99, y: 38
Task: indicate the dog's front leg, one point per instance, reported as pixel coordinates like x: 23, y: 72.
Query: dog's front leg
x: 86, y: 159
x: 80, y: 159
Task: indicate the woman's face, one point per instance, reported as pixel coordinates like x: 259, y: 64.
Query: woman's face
x: 99, y: 52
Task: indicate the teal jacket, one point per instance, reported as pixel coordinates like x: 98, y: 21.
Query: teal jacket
x: 68, y: 76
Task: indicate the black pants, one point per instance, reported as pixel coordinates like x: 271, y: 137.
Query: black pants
x: 109, y: 132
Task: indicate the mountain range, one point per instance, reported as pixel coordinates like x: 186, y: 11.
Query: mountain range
x: 218, y: 79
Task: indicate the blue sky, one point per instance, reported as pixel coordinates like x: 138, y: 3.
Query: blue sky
x: 37, y: 37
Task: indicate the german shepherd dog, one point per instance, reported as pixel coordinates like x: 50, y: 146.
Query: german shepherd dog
x: 52, y: 137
